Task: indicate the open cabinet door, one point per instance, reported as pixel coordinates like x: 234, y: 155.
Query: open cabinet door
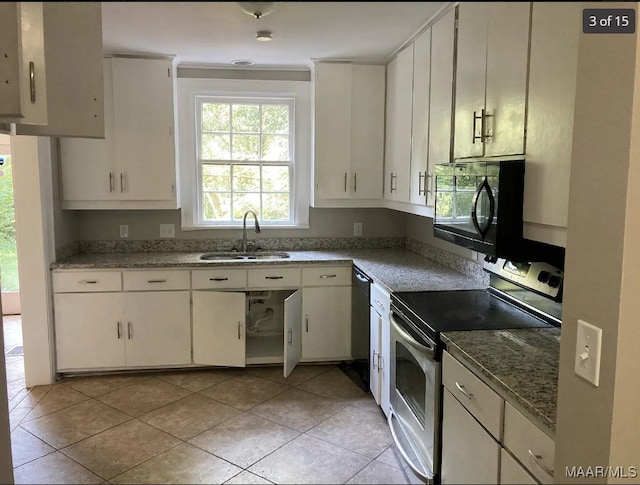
x: 219, y: 328
x: 292, y: 331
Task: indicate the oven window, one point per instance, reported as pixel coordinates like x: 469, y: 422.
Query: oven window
x: 411, y: 382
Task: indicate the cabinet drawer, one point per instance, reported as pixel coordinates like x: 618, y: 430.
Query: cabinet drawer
x: 327, y: 276
x: 274, y: 277
x: 380, y: 300
x: 218, y: 278
x: 529, y: 444
x: 156, y: 280
x: 481, y: 401
x: 87, y: 281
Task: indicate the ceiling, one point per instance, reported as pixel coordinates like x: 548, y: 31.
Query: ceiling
x: 216, y: 33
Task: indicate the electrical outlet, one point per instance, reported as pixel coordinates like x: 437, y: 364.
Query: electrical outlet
x: 357, y: 229
x: 167, y: 230
x: 124, y: 231
x: 588, y: 347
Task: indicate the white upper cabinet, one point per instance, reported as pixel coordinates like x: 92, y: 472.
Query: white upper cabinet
x: 134, y: 167
x: 74, y: 80
x: 420, y: 118
x: 555, y: 32
x: 23, y: 94
x: 348, y: 132
x: 491, y: 78
x: 397, y: 158
x: 51, y: 65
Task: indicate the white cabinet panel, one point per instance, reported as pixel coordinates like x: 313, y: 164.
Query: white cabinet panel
x: 155, y: 280
x: 326, y: 333
x: 219, y: 328
x: 327, y: 276
x: 211, y: 279
x: 86, y: 281
x: 513, y: 472
x: 292, y: 332
x: 274, y: 277
x: 375, y: 378
x: 157, y: 328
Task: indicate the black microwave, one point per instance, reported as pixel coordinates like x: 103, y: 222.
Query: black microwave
x: 478, y: 205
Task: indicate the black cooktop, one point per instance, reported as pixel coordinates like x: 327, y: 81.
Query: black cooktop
x: 441, y: 311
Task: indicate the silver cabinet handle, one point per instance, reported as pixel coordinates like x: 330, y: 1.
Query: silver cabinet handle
x: 273, y: 277
x: 88, y: 282
x: 218, y: 279
x: 392, y: 187
x: 468, y: 395
x: 379, y: 303
x: 428, y: 188
x: 290, y: 337
x: 324, y: 276
x: 32, y: 81
x: 239, y: 330
x: 374, y: 360
x: 306, y: 320
x: 475, y: 120
x: 540, y: 463
x: 121, y: 182
x: 119, y: 327
x: 129, y: 330
x: 156, y: 281
x: 345, y: 181
x: 380, y: 362
x: 420, y: 189
x: 110, y: 181
x: 355, y: 182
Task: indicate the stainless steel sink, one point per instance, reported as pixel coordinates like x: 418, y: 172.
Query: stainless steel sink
x: 242, y: 256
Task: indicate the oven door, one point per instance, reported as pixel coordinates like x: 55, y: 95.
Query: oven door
x: 415, y: 396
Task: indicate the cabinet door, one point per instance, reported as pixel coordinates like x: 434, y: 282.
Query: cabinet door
x: 507, y: 64
x: 473, y: 22
x: 87, y: 168
x: 327, y: 323
x: 292, y: 331
x: 390, y: 136
x: 367, y: 131
x: 374, y: 351
x: 555, y: 32
x: 23, y: 90
x: 469, y: 453
x: 143, y: 121
x: 332, y: 138
x: 513, y: 472
x: 219, y: 328
x: 73, y: 54
x: 157, y: 328
x: 89, y: 331
x: 441, y: 100
x: 420, y: 123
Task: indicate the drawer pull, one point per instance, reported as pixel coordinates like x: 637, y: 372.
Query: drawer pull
x: 156, y: 281
x: 324, y: 276
x: 306, y: 319
x: 540, y: 463
x: 129, y: 330
x: 88, y: 282
x: 119, y: 327
x: 273, y: 277
x: 239, y: 330
x: 218, y: 279
x: 468, y: 395
x: 379, y: 303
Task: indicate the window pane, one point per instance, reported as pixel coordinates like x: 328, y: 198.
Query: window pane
x: 444, y: 204
x: 246, y: 117
x: 215, y: 147
x: 275, y: 148
x: 275, y: 118
x: 275, y: 178
x: 216, y: 177
x: 246, y: 178
x: 215, y: 117
x: 244, y: 202
x: 275, y: 207
x: 246, y: 147
x: 216, y: 206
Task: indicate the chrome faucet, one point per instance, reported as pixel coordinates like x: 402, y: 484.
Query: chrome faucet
x: 244, y: 229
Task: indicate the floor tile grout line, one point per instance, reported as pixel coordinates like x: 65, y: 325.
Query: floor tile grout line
x: 146, y: 460
x: 53, y: 448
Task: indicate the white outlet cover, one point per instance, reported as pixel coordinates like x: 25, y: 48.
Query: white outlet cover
x: 357, y: 229
x: 167, y: 230
x: 124, y: 231
x: 588, y: 349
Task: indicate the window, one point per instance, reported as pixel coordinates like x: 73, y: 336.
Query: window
x: 244, y: 145
x: 245, y: 159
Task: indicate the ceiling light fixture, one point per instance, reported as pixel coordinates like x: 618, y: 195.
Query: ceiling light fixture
x: 264, y: 36
x: 257, y: 9
x: 242, y: 62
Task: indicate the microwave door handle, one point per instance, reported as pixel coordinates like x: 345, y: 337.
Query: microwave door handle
x: 492, y: 207
x: 474, y: 211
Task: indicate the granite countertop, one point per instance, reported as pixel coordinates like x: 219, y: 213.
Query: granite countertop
x: 396, y: 269
x: 520, y: 364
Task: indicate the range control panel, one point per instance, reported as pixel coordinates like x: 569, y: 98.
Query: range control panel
x: 540, y: 277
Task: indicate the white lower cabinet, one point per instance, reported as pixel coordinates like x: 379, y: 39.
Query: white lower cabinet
x: 380, y: 351
x: 513, y: 472
x: 327, y: 315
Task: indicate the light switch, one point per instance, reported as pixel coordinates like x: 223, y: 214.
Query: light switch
x: 357, y: 229
x: 167, y: 230
x: 588, y: 347
x: 124, y: 231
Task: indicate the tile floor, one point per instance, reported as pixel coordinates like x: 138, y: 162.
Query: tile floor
x: 199, y: 426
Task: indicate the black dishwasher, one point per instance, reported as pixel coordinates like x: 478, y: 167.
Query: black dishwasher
x: 358, y: 370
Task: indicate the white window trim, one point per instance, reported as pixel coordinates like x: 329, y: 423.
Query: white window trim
x: 188, y: 88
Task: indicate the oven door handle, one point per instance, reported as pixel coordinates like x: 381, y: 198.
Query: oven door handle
x: 394, y: 436
x: 407, y: 338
